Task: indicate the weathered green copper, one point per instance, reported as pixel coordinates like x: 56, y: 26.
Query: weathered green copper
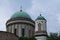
x: 20, y: 14
x: 40, y: 18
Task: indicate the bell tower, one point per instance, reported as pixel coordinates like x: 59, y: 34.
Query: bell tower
x: 40, y: 28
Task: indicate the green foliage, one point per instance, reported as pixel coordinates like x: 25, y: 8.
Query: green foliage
x: 25, y: 38
x: 53, y: 36
x: 32, y: 38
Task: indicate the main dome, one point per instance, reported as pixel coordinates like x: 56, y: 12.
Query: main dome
x: 20, y: 14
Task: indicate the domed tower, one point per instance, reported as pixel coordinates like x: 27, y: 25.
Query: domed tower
x: 21, y: 24
x: 40, y: 28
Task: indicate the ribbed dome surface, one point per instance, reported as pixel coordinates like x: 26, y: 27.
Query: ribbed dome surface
x: 20, y: 14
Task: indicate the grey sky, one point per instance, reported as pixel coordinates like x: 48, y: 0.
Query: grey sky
x: 50, y: 9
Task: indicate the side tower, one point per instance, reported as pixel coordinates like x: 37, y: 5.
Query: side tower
x: 40, y: 28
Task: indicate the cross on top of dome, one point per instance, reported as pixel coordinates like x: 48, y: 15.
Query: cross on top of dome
x: 21, y: 9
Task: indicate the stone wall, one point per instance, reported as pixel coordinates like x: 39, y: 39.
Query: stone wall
x: 7, y: 36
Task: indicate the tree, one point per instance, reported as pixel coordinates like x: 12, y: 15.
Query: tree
x: 59, y: 37
x: 53, y: 36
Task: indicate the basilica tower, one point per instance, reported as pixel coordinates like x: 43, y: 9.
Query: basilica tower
x: 40, y: 28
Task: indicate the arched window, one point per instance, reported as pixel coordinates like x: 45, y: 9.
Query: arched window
x: 15, y: 31
x: 39, y: 27
x: 23, y: 32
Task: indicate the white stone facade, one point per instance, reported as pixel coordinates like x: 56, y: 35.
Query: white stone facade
x: 41, y: 38
x: 43, y: 25
x: 40, y: 30
x: 19, y: 25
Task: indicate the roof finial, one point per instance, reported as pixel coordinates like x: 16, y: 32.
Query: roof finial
x: 21, y: 9
x: 40, y: 14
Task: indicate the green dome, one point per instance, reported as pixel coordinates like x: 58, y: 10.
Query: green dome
x: 40, y: 18
x: 20, y: 14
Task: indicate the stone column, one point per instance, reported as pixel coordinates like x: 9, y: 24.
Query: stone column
x: 19, y: 30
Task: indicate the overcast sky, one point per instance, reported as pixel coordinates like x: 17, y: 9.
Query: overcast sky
x: 50, y: 9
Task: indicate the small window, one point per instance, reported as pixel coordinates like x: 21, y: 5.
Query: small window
x: 15, y: 31
x: 23, y: 32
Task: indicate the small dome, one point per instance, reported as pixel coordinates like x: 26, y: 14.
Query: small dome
x: 40, y: 18
x: 20, y: 14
